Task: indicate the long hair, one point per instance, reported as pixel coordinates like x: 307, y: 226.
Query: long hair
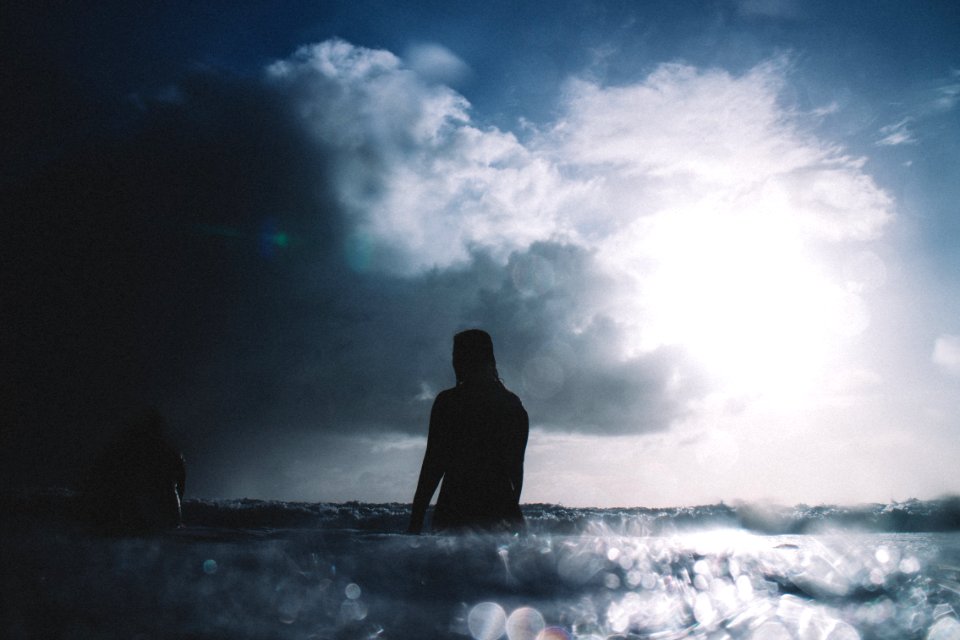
x: 473, y: 356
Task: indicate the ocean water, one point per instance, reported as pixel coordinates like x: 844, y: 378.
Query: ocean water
x: 248, y: 569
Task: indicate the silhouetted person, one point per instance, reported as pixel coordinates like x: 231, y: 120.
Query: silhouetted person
x: 478, y: 434
x: 137, y: 482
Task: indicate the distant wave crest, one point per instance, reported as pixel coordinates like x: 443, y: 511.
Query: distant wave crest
x: 938, y: 515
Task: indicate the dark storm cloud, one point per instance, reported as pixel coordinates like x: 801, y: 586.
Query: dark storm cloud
x: 206, y: 262
x: 380, y: 349
x: 568, y: 361
x: 134, y: 261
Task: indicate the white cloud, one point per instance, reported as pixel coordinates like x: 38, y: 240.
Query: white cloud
x: 948, y: 95
x: 422, y: 178
x: 436, y: 63
x: 946, y: 353
x: 897, y: 133
x: 679, y: 262
x: 712, y: 204
x: 945, y: 96
x: 702, y: 199
x: 420, y: 182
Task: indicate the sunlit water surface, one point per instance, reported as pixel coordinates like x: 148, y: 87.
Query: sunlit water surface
x: 203, y: 582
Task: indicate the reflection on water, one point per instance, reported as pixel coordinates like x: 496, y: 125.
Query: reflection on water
x: 299, y: 583
x: 730, y: 584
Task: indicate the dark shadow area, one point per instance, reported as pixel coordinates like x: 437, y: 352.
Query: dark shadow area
x: 137, y: 483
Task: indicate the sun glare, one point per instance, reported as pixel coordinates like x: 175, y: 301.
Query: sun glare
x: 743, y: 295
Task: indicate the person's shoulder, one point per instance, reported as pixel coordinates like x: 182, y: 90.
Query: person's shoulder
x: 445, y: 397
x: 512, y: 399
x: 447, y: 393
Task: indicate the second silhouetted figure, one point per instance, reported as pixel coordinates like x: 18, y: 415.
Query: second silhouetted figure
x: 478, y: 435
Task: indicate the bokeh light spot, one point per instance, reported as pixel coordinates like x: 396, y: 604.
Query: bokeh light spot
x: 210, y: 566
x: 352, y: 610
x: 842, y: 631
x: 525, y: 623
x: 909, y: 565
x: 555, y: 633
x: 289, y: 604
x: 947, y: 628
x: 703, y: 610
x: 771, y: 630
x: 487, y: 621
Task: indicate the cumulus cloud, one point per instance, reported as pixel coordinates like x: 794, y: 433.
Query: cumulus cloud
x: 683, y: 135
x: 352, y: 215
x: 421, y: 183
x: 424, y: 184
x: 603, y: 251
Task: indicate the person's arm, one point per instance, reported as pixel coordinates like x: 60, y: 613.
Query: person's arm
x: 430, y: 472
x: 519, y: 449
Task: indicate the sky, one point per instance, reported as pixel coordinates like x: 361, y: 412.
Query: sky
x: 716, y: 244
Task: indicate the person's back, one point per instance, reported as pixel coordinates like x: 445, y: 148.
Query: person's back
x: 483, y: 428
x: 478, y: 434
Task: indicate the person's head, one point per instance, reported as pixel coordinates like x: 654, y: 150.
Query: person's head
x: 473, y: 356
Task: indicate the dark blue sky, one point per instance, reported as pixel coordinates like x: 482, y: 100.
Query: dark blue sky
x: 667, y: 214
